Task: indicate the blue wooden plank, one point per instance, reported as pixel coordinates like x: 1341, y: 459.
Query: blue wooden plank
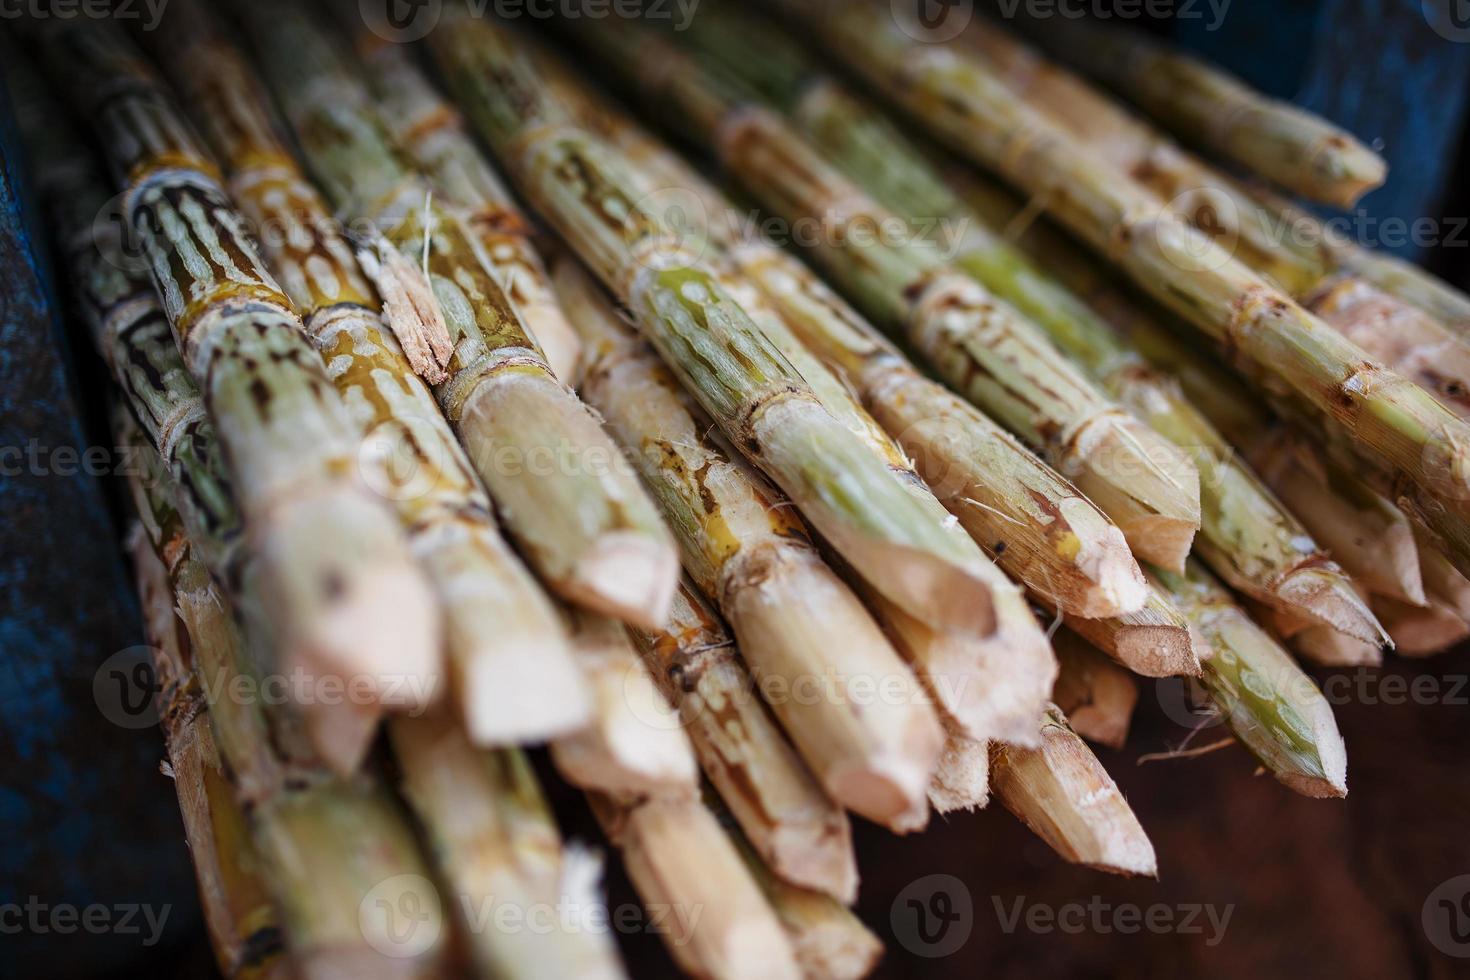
x: 86, y: 817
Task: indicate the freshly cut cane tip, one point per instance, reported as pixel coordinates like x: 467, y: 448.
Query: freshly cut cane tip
x: 629, y: 576
x: 1325, y: 645
x: 385, y: 628
x: 815, y: 858
x: 521, y: 692
x: 948, y: 596
x: 1329, y: 599
x: 1158, y: 651
x: 1331, y: 756
x: 1421, y: 632
x: 1164, y: 541
x: 887, y: 791
x: 831, y: 950
x: 1119, y: 587
x: 341, y: 733
x: 962, y: 779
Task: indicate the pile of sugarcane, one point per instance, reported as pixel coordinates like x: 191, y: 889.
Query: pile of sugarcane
x: 749, y: 537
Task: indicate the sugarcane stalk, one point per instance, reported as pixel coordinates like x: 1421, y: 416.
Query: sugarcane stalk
x: 432, y: 134
x: 1407, y: 281
x: 326, y: 845
x: 498, y: 622
x: 830, y: 942
x: 1366, y: 533
x: 336, y: 572
x: 1065, y: 796
x: 1095, y: 694
x: 1421, y: 631
x: 1442, y: 583
x: 238, y: 910
x: 980, y: 345
x: 962, y: 778
x: 1155, y: 641
x: 719, y: 924
x: 798, y: 831
x: 131, y: 332
x: 1394, y: 425
x: 580, y: 520
x: 582, y: 185
x: 1273, y: 237
x: 745, y: 546
x: 1246, y: 534
x: 1332, y: 649
x: 1264, y: 697
x: 1295, y: 148
x: 634, y: 743
x: 496, y: 846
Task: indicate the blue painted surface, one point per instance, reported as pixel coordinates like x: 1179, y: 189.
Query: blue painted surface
x: 1377, y: 68
x: 85, y: 816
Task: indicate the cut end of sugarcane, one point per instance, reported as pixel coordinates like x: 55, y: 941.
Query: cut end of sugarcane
x: 521, y: 692
x: 837, y: 951
x: 962, y: 779
x: 944, y: 594
x: 1161, y: 540
x: 341, y: 733
x: 1422, y: 632
x: 1118, y: 586
x: 1326, y: 646
x: 747, y: 953
x: 1159, y: 651
x: 888, y: 790
x: 1328, y: 598
x: 628, y: 575
x: 391, y: 620
x: 1331, y: 758
x: 815, y: 858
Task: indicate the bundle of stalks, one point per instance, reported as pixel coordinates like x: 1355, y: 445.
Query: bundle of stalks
x: 1363, y: 530
x: 984, y: 348
x: 719, y: 923
x: 829, y: 941
x: 1292, y: 147
x: 496, y: 845
x: 244, y: 930
x: 1389, y: 422
x: 634, y: 744
x: 432, y: 134
x: 1064, y: 795
x: 325, y: 845
x: 898, y: 540
x: 797, y: 830
x: 1246, y: 534
x: 511, y: 663
x: 343, y: 592
x: 796, y: 622
x: 1094, y: 693
x: 128, y: 325
x: 580, y: 520
x: 1276, y: 239
x: 1262, y: 695
x: 991, y: 687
